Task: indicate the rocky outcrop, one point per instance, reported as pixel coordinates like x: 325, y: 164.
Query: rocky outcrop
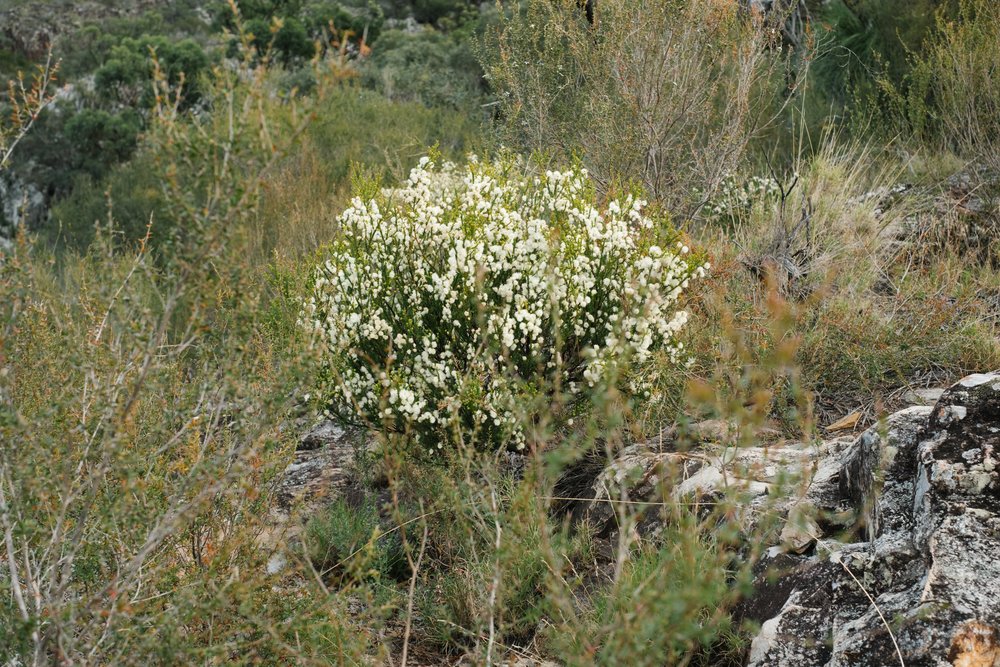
x: 889, y: 552
x: 20, y: 203
x: 31, y: 28
x: 642, y: 475
x: 922, y: 584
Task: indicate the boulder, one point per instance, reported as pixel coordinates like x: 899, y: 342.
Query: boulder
x: 926, y: 396
x: 917, y: 582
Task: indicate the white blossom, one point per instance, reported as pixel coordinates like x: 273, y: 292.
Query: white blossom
x: 441, y: 291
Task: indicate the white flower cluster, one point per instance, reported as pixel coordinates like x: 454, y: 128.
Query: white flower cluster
x: 738, y: 196
x: 446, y: 297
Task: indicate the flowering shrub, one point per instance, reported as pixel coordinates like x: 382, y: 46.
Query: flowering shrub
x: 737, y: 197
x: 448, y: 297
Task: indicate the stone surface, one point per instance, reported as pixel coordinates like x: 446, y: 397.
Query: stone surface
x: 319, y: 474
x: 918, y: 581
x: 644, y: 474
x: 928, y: 396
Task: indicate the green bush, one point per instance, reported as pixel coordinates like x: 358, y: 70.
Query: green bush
x: 285, y: 39
x: 101, y: 140
x: 431, y: 68
x: 666, y: 605
x: 11, y: 62
x: 448, y: 298
x: 83, y: 51
x: 362, y: 18
x: 299, y: 24
x: 863, y: 41
x: 667, y: 93
x: 139, y: 487
x: 136, y: 197
x: 433, y: 11
x: 952, y: 98
x: 45, y: 157
x: 353, y: 127
x: 364, y: 127
x: 127, y: 74
x: 67, y: 147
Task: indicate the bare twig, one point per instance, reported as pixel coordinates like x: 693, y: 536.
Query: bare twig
x: 27, y: 102
x: 895, y: 644
x: 415, y: 571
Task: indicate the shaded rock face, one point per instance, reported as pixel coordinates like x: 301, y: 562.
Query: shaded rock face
x: 923, y: 587
x: 30, y: 28
x: 320, y: 473
x: 20, y: 202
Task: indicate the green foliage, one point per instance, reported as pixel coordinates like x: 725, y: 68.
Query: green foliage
x: 430, y: 68
x: 664, y: 608
x: 101, y: 140
x: 254, y: 9
x: 292, y: 43
x: 667, y: 93
x: 352, y: 127
x: 347, y: 537
x: 862, y: 41
x: 359, y: 126
x: 11, y: 62
x: 42, y: 158
x: 145, y: 448
x: 951, y: 96
x: 85, y: 50
x: 135, y: 193
x: 69, y: 146
x: 435, y: 11
x: 360, y: 18
x: 454, y: 599
x: 286, y: 39
x: 292, y: 28
x: 162, y: 496
x: 127, y: 74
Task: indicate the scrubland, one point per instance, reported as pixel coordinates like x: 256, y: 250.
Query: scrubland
x: 242, y: 238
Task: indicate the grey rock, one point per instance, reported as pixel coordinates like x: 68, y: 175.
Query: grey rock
x: 928, y: 396
x: 807, y: 475
x: 637, y: 475
x: 880, y: 464
x: 21, y: 204
x: 320, y: 472
x: 793, y: 637
x: 326, y: 433
x: 921, y: 585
